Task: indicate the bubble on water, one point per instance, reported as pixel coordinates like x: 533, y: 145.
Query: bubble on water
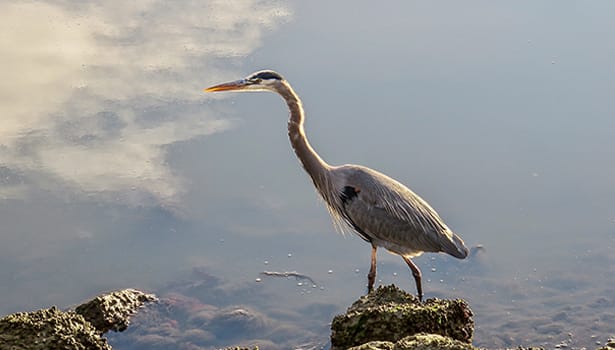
x: 322, y: 288
x: 356, y: 270
x: 433, y: 269
x: 258, y: 279
x: 314, y: 286
x: 290, y: 255
x: 266, y: 262
x: 330, y: 272
x: 441, y: 281
x: 299, y: 284
x: 395, y: 274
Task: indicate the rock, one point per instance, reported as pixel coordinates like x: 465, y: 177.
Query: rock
x: 390, y: 314
x: 228, y: 322
x: 375, y: 345
x: 610, y: 345
x: 421, y: 341
x: 49, y: 329
x: 54, y: 329
x: 112, y: 311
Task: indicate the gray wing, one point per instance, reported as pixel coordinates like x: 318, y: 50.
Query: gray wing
x: 390, y: 215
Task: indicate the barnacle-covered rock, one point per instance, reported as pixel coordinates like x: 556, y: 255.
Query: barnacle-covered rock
x: 49, y: 329
x: 112, y: 311
x: 390, y: 314
x: 421, y: 341
x: 610, y: 345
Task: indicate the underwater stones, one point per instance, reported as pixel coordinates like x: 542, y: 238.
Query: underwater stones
x: 227, y: 322
x: 112, y: 311
x: 390, y: 314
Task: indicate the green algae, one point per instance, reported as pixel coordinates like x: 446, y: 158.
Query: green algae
x: 422, y: 341
x: 49, y: 329
x: 390, y: 314
x: 112, y: 311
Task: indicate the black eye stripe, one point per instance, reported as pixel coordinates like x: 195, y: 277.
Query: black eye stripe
x: 267, y: 75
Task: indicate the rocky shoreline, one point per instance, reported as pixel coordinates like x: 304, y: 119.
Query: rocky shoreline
x: 386, y: 319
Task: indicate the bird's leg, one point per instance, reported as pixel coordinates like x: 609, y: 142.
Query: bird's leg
x: 417, y: 276
x: 371, y: 276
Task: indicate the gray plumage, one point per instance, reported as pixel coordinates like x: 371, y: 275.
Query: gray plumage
x: 392, y: 215
x: 379, y: 209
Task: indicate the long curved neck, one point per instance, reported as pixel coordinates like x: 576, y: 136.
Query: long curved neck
x: 311, y: 161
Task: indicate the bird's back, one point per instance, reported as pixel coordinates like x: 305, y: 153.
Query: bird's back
x: 388, y: 214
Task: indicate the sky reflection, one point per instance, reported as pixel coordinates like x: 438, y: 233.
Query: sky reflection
x: 92, y: 94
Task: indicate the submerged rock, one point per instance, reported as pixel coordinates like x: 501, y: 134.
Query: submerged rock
x: 55, y: 329
x: 390, y: 314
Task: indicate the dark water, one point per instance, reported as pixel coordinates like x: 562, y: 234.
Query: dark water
x: 117, y: 171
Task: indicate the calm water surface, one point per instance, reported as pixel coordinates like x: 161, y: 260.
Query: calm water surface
x: 117, y: 171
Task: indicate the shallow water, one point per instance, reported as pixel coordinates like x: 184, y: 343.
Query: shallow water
x: 117, y: 171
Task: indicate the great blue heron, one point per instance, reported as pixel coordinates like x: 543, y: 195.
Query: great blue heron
x: 379, y: 209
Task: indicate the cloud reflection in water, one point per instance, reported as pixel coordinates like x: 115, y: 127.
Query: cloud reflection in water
x: 93, y: 92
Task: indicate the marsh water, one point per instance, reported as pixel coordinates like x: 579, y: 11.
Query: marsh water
x: 117, y: 171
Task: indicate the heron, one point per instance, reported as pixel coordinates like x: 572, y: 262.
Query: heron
x: 379, y: 209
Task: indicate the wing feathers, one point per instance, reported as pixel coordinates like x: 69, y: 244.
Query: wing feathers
x: 390, y: 213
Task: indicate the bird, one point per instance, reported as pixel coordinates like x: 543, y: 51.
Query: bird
x: 379, y: 209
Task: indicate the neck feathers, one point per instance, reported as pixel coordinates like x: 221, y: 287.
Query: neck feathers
x: 311, y: 161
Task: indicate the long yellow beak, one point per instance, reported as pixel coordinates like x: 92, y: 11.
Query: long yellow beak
x: 233, y: 85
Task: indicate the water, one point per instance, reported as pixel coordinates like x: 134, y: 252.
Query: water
x: 117, y: 171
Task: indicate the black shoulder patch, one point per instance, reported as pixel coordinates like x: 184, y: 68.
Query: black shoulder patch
x: 348, y: 194
x: 268, y: 74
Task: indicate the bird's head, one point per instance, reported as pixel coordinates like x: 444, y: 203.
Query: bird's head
x: 264, y: 80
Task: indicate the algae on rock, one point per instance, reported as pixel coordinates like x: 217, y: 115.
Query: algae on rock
x: 55, y: 329
x: 49, y: 329
x: 390, y: 314
x: 422, y: 341
x: 112, y: 311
